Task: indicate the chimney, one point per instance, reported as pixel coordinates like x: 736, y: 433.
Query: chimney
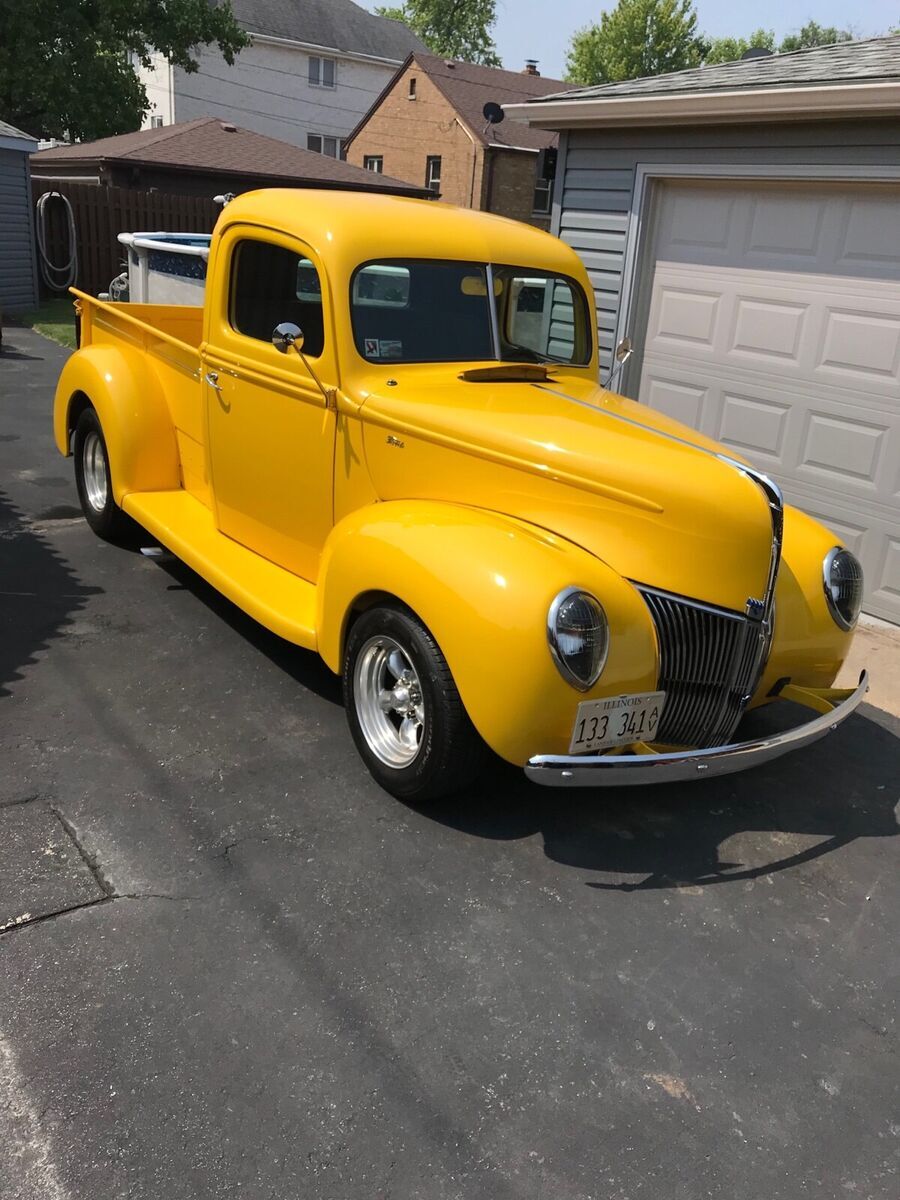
x: 531, y: 67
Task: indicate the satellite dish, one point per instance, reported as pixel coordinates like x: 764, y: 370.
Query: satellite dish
x: 493, y: 113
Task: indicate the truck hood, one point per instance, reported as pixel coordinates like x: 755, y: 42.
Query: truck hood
x: 649, y: 496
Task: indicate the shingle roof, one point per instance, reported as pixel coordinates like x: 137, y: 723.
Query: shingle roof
x: 469, y: 87
x: 208, y: 144
x: 332, y: 24
x: 869, y: 61
x: 10, y: 131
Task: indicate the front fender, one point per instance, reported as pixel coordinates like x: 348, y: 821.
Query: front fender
x: 483, y: 584
x: 807, y: 647
x: 127, y: 395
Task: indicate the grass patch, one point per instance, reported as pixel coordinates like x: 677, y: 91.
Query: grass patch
x: 54, y: 318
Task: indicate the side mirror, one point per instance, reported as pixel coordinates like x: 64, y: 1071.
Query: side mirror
x: 287, y: 334
x: 621, y: 355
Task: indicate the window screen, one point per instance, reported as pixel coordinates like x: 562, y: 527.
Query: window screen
x: 270, y: 284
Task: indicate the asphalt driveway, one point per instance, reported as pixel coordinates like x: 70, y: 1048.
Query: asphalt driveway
x: 231, y: 966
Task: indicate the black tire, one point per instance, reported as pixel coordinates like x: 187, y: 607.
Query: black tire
x: 450, y: 751
x: 103, y: 515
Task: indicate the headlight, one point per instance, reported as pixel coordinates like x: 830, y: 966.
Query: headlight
x: 578, y: 633
x: 843, y: 578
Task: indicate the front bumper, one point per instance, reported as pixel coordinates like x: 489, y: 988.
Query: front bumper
x: 646, y: 766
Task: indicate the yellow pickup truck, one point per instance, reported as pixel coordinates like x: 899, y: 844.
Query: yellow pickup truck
x: 384, y: 437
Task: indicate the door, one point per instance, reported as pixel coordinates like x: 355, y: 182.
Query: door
x: 774, y: 326
x: 271, y: 434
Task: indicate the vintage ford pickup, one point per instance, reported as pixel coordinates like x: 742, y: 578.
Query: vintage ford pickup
x: 385, y: 438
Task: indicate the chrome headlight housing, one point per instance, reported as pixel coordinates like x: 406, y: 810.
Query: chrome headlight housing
x: 578, y: 633
x: 843, y: 579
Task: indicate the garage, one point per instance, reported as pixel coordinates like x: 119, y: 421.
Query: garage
x: 18, y: 275
x: 774, y: 327
x: 741, y: 224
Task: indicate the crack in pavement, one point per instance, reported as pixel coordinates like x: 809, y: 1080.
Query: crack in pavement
x: 89, y: 860
x: 27, y: 921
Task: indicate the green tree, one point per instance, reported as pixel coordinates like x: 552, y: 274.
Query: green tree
x: 452, y: 28
x: 636, y: 38
x: 812, y: 35
x: 66, y: 65
x: 729, y: 49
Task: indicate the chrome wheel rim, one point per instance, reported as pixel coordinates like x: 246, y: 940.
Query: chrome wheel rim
x: 93, y: 465
x: 389, y: 702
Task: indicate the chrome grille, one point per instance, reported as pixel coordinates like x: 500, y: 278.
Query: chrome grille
x: 709, y: 662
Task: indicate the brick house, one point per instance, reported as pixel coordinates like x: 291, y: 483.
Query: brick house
x: 428, y: 127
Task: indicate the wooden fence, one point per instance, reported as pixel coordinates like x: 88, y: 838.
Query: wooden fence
x: 102, y: 213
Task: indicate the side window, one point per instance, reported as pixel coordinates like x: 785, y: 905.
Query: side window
x: 542, y: 316
x: 270, y: 284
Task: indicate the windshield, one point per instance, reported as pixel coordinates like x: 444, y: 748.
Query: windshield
x: 418, y: 310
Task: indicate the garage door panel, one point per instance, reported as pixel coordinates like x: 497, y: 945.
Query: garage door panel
x: 838, y: 448
x: 886, y: 584
x: 774, y: 326
x: 704, y: 230
x: 681, y: 401
x: 870, y: 236
x: 756, y: 427
x: 858, y: 342
x: 784, y: 224
x: 767, y: 329
x: 686, y: 316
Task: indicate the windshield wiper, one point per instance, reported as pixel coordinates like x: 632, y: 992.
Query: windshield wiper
x: 538, y: 358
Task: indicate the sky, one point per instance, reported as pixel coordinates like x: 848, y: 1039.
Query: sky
x: 542, y: 29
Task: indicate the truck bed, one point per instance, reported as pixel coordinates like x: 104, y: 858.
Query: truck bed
x: 168, y: 336
x: 182, y: 323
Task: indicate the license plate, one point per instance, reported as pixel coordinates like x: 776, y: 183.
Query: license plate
x: 616, y: 721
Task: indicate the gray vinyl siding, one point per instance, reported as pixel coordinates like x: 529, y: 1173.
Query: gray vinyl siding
x: 598, y: 168
x: 18, y: 279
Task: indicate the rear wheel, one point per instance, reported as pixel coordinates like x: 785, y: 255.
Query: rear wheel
x: 404, y: 710
x: 92, y: 479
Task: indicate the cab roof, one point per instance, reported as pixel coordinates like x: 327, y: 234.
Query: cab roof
x: 349, y: 228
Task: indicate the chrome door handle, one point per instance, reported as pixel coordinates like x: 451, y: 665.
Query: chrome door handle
x: 212, y: 378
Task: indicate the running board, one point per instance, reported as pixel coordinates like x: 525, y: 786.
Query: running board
x: 277, y: 599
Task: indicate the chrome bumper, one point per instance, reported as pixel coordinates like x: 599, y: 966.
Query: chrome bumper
x: 625, y: 770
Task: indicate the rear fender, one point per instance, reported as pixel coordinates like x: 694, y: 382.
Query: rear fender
x: 123, y: 388
x: 483, y: 583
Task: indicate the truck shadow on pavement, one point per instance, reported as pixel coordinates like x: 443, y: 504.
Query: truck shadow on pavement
x: 766, y: 820
x: 39, y: 593
x: 793, y: 811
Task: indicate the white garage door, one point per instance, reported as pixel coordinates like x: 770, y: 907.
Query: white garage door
x: 774, y: 326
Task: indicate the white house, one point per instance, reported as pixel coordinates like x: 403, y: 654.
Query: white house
x: 312, y: 69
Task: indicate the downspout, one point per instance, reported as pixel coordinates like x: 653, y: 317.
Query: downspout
x: 474, y: 160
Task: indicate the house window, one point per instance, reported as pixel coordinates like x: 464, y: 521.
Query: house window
x: 374, y: 162
x: 322, y: 144
x: 411, y: 94
x: 156, y: 122
x: 543, y: 196
x: 433, y: 172
x: 321, y: 72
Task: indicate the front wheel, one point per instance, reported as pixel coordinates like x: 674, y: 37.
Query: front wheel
x: 404, y: 711
x: 92, y: 479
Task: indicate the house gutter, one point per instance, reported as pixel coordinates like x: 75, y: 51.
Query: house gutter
x: 268, y: 39
x: 714, y: 107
